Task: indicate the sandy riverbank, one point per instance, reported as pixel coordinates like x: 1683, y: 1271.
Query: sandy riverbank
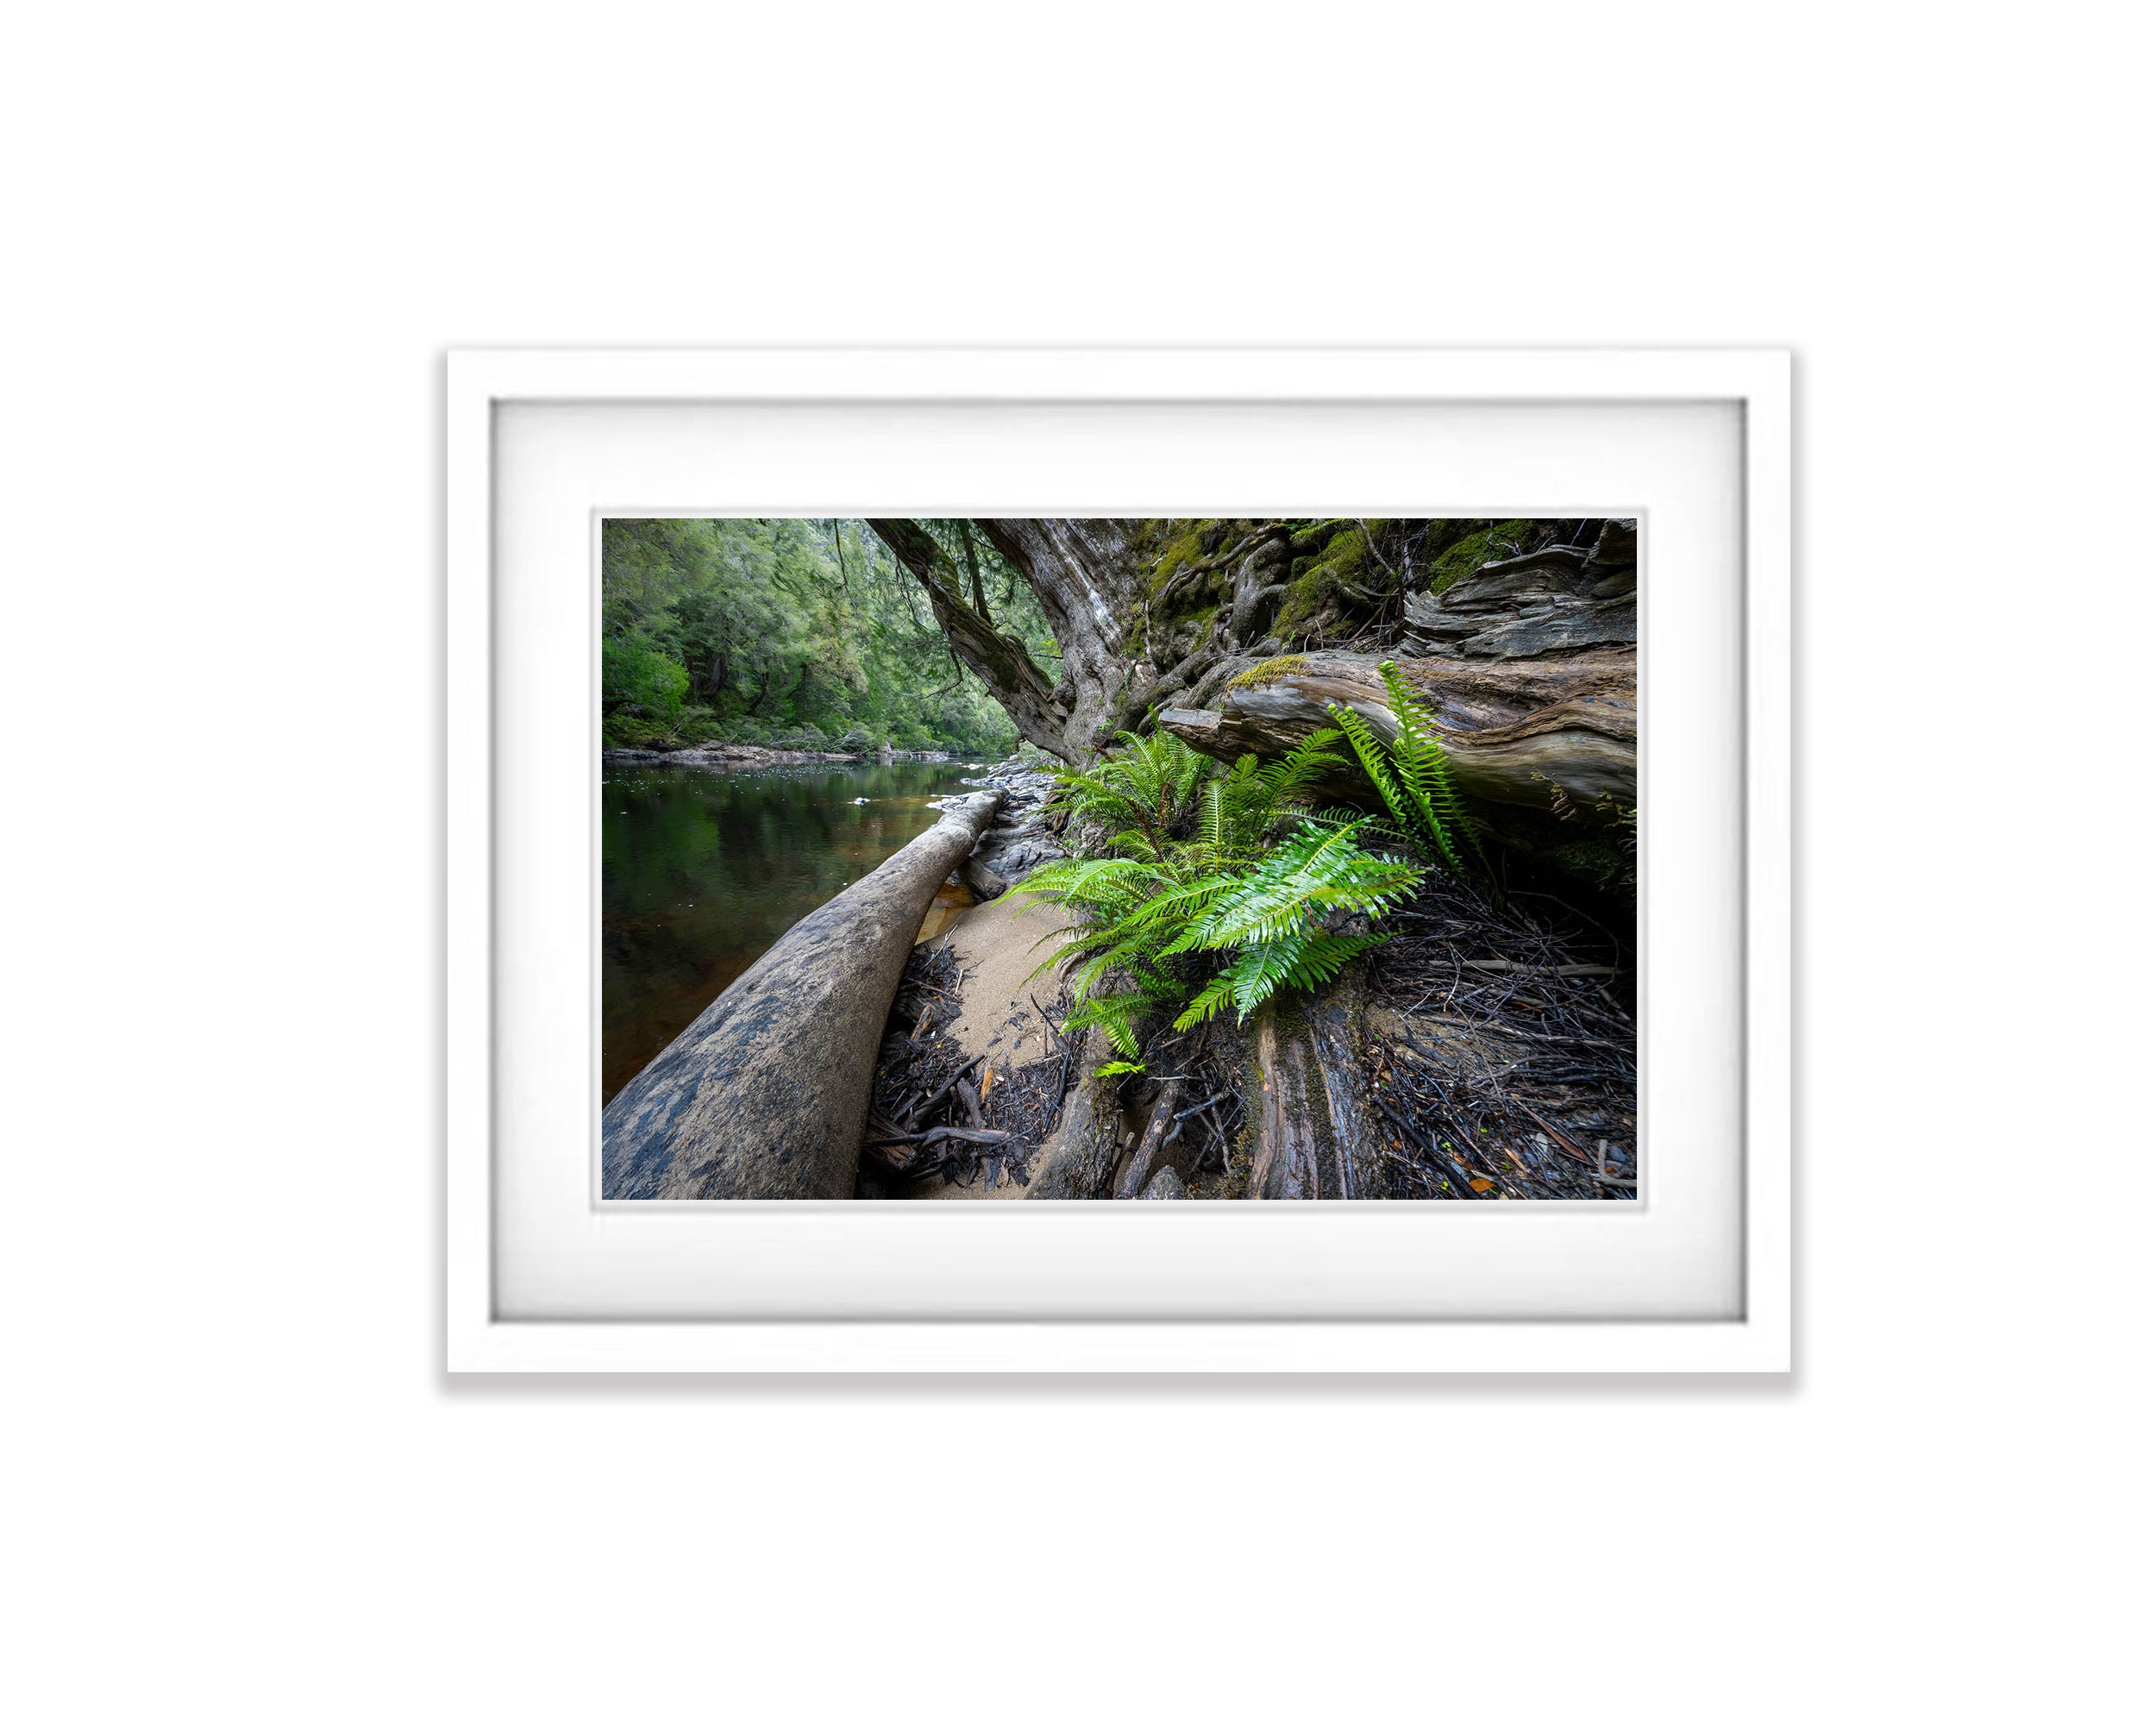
x: 998, y: 945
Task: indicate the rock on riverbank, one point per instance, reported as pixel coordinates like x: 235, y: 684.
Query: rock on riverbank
x: 725, y: 754
x: 1022, y: 838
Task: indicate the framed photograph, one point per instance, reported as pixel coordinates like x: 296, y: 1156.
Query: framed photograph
x: 1085, y: 861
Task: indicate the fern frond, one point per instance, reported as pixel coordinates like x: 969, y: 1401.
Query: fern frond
x: 1117, y: 1017
x: 1425, y: 765
x: 1372, y: 828
x: 1413, y: 776
x: 1213, y: 828
x: 1325, y: 955
x: 1312, y: 873
x: 1289, y: 780
x: 1217, y: 994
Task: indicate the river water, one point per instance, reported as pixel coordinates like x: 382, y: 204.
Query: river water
x: 704, y: 869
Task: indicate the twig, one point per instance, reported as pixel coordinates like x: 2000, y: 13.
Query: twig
x: 1507, y: 966
x: 941, y: 1091
x: 1207, y: 1103
x: 1564, y: 1143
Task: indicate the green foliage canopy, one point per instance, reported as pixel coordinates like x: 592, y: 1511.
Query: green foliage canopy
x: 794, y: 633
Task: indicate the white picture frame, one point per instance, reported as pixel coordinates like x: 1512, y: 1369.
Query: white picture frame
x: 580, y: 1297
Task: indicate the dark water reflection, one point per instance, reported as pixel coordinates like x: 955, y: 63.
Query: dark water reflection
x: 703, y: 870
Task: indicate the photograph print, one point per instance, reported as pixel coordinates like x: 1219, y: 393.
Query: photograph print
x: 1202, y: 860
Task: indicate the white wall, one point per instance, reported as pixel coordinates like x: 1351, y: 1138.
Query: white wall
x: 242, y: 1487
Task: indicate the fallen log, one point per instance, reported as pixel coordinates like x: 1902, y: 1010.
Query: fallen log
x: 1514, y: 729
x: 767, y: 1093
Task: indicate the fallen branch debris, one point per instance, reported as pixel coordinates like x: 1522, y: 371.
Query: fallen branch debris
x: 930, y: 1116
x: 1496, y: 1071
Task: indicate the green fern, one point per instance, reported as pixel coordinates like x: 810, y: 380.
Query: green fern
x: 1144, y: 791
x: 1413, y: 775
x: 1253, y: 800
x: 1262, y: 968
x: 1118, y: 1017
x: 1197, y: 908
x: 1423, y: 762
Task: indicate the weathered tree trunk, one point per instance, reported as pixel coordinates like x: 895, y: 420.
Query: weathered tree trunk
x: 765, y: 1094
x: 1087, y: 576
x: 1258, y: 588
x: 1315, y: 1134
x: 1314, y: 1131
x: 972, y: 570
x: 1564, y: 598
x: 1515, y: 729
x: 1079, y: 1157
x: 1529, y: 660
x: 1000, y: 661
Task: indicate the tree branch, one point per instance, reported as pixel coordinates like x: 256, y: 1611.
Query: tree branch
x: 1000, y: 661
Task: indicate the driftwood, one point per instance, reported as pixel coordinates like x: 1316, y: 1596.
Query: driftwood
x: 1140, y: 1170
x: 766, y: 1093
x: 1516, y: 730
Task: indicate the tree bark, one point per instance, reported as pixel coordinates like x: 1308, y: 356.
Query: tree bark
x: 765, y: 1094
x: 1085, y: 574
x: 1315, y: 1132
x: 1079, y: 1157
x: 1528, y: 662
x: 1258, y: 589
x: 972, y: 570
x: 1514, y: 729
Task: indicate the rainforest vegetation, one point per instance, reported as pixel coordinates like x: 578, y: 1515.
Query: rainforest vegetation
x: 799, y: 634
x: 1200, y: 887
x: 1335, y: 821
